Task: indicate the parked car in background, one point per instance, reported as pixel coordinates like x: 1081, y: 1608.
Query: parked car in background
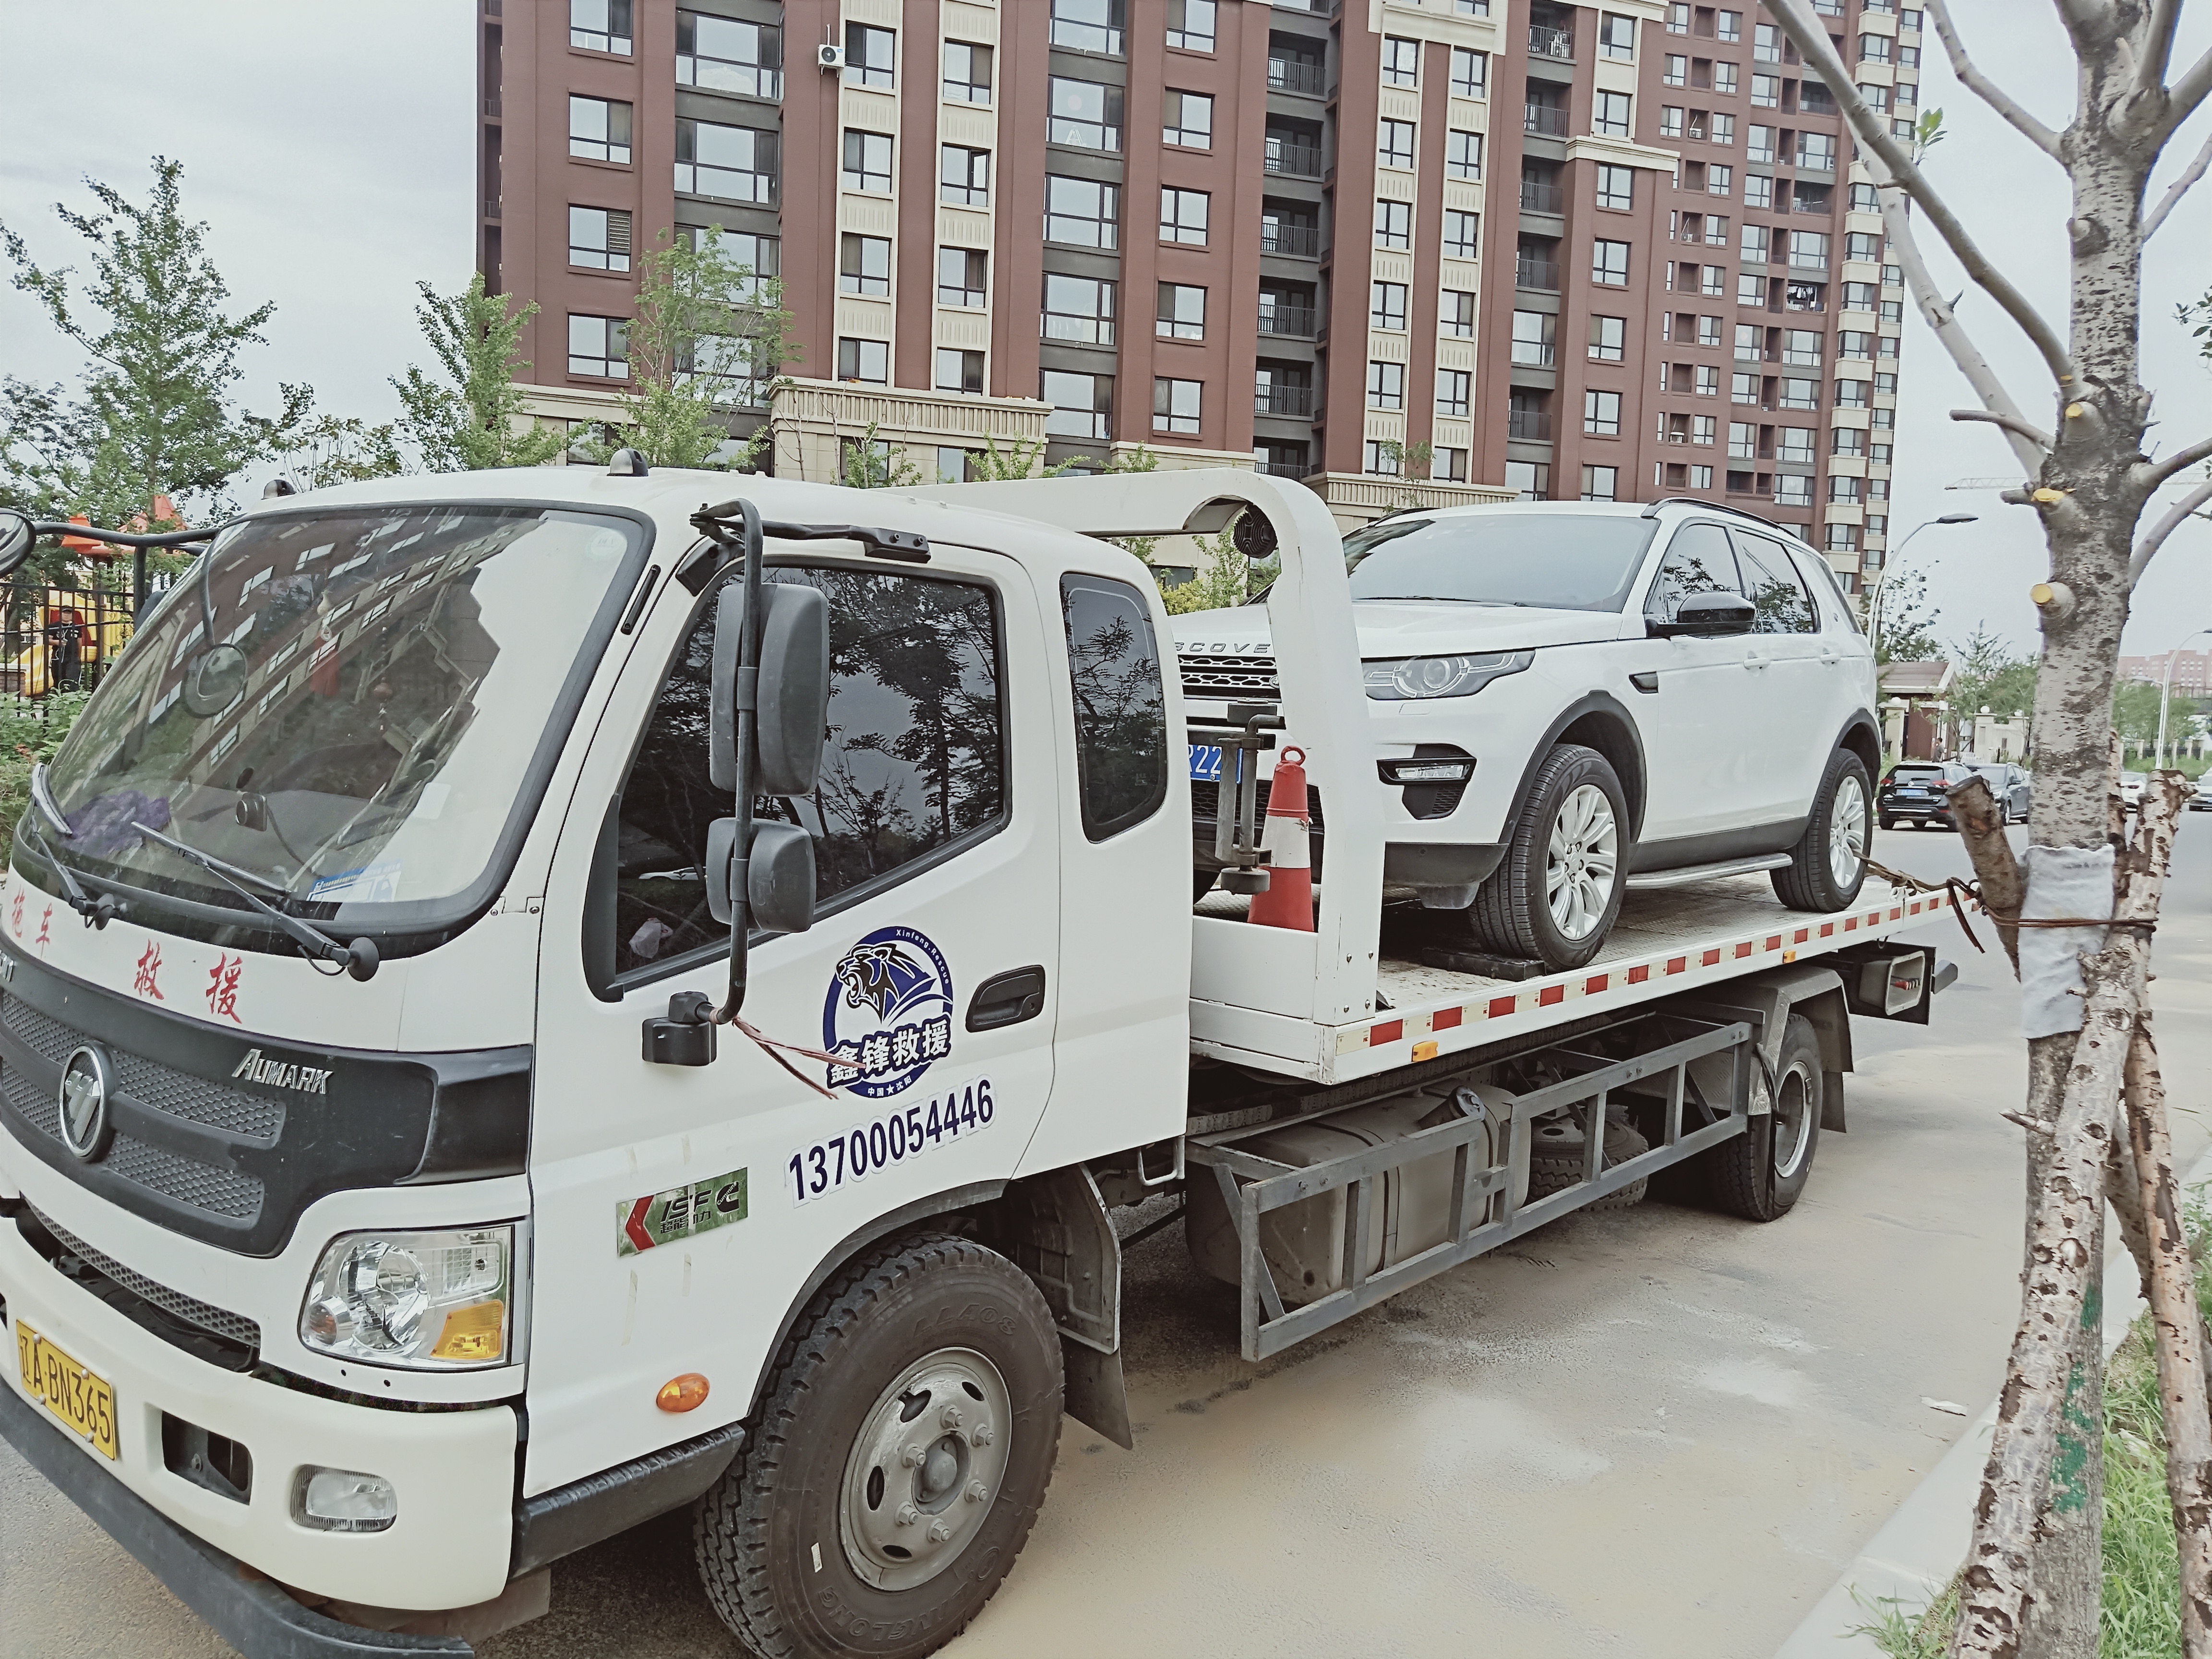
x: 2009, y: 784
x: 2131, y: 788
x: 2200, y: 797
x: 1917, y: 793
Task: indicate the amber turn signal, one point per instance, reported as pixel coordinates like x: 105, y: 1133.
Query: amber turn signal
x: 681, y: 1394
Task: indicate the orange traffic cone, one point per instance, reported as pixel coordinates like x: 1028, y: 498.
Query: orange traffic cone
x: 1288, y: 902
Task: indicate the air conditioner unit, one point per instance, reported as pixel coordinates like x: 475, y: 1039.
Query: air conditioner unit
x: 828, y: 57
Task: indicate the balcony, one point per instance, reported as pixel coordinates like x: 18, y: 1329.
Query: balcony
x: 1295, y: 75
x: 1294, y: 241
x: 1544, y: 120
x: 1290, y: 402
x: 1544, y: 42
x: 1529, y: 425
x: 1542, y: 198
x: 1283, y: 469
x: 1541, y: 275
x: 1287, y: 322
x: 1292, y: 158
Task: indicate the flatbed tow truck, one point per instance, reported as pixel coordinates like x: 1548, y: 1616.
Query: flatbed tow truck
x: 418, y: 1167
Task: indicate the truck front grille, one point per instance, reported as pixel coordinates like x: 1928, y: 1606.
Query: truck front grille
x: 1229, y: 678
x: 186, y: 1180
x: 150, y: 1084
x: 235, y: 1327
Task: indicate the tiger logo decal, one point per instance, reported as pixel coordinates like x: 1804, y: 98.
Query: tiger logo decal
x: 888, y: 1015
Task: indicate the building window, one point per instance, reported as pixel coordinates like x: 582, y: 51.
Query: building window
x: 960, y: 371
x: 1448, y: 465
x: 1087, y: 25
x: 598, y: 131
x: 1616, y: 186
x: 1843, y: 492
x: 1602, y: 414
x: 1190, y: 24
x: 1716, y: 283
x: 1723, y: 130
x: 1724, y: 80
x: 1759, y: 143
x: 1800, y: 348
x: 964, y: 176
x: 870, y: 53
x: 1797, y: 393
x: 1380, y: 459
x: 1854, y: 343
x: 1402, y: 62
x: 598, y: 346
x: 1601, y: 483
x: 1793, y: 489
x: 1530, y: 481
x: 1536, y: 335
x: 1463, y: 155
x: 1085, y: 114
x: 1708, y: 383
x: 1808, y: 250
x: 1816, y: 151
x: 1717, y: 229
x: 1743, y: 441
x: 1182, y: 312
x: 1616, y: 37
x: 867, y: 161
x: 737, y: 164
x: 1609, y: 264
x: 599, y: 238
x: 1393, y: 144
x: 967, y: 72
x: 960, y: 277
x: 1842, y: 539
x: 1743, y: 388
x: 1766, y: 92
x: 1861, y: 245
x: 1757, y: 243
x: 1670, y: 121
x: 1708, y: 331
x: 1183, y: 214
x: 1719, y: 180
x: 956, y: 466
x: 1393, y: 224
x: 1187, y: 118
x: 865, y: 361
x: 1175, y: 406
x: 1462, y: 234
x: 600, y: 26
x: 1611, y: 115
x: 1082, y: 212
x: 1470, y: 73
x: 1079, y: 308
x: 1386, y: 386
x: 1386, y: 306
x: 723, y: 55
x: 1731, y: 26
x: 1758, y: 191
x: 1676, y: 72
x: 1453, y: 386
x: 1455, y: 314
x: 864, y: 264
x: 1608, y: 339
x: 1082, y: 404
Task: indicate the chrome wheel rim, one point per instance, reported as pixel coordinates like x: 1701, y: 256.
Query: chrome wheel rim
x: 1847, y: 832
x: 1793, y: 1123
x: 924, y: 1468
x: 1582, y: 863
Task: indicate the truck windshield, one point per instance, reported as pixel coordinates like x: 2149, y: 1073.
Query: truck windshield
x: 1552, y: 561
x: 357, y: 706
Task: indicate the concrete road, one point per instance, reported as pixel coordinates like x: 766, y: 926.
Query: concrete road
x: 1659, y: 1431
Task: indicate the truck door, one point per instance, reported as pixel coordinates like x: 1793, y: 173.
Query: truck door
x: 679, y: 1212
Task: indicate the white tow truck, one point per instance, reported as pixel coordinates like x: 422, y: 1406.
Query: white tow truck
x: 438, y: 1129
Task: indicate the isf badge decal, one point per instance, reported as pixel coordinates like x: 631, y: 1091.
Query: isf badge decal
x: 888, y: 1013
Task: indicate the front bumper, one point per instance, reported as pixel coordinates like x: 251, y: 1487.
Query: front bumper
x: 454, y: 1470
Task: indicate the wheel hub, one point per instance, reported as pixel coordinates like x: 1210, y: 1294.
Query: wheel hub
x: 1581, y: 862
x: 929, y: 1456
x: 1847, y: 832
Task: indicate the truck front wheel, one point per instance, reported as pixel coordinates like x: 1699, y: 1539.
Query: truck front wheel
x: 898, y: 1460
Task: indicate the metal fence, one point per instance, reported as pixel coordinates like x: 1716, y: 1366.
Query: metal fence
x: 55, y: 638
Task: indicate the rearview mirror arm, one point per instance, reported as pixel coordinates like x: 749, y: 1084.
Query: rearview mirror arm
x: 748, y: 703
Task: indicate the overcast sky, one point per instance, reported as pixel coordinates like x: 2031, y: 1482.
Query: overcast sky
x: 330, y: 148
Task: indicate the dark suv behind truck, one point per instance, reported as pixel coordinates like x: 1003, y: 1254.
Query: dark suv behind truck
x: 1913, y: 791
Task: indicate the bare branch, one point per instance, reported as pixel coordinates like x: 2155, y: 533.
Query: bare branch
x: 1988, y: 90
x: 2178, y: 188
x: 1811, y: 38
x: 1949, y: 331
x: 2183, y: 97
x: 2158, y: 45
x: 2155, y: 538
x: 2179, y: 461
x: 2034, y: 434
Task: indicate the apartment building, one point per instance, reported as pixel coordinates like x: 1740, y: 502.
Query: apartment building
x: 2191, y: 671
x: 1457, y: 250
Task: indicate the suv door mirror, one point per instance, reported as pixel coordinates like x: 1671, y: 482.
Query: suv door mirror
x: 1705, y: 615
x: 779, y: 876
x: 792, y: 699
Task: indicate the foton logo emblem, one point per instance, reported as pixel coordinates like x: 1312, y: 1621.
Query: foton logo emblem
x: 283, y: 1074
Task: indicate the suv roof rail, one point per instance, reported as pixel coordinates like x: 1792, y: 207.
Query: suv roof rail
x: 1652, y: 512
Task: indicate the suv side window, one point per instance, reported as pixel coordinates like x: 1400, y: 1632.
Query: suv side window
x: 914, y: 764
x: 1121, y: 705
x: 1776, y: 590
x: 1699, y: 561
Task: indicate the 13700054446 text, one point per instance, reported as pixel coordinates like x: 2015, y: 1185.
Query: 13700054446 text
x: 960, y: 1111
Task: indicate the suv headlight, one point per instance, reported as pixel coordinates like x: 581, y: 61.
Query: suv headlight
x: 1411, y: 677
x: 418, y: 1301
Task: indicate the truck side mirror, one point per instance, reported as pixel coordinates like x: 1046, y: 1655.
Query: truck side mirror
x: 1706, y: 615
x: 792, y: 700
x: 779, y: 876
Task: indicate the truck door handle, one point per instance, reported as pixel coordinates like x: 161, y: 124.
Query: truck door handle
x: 1006, y: 998
x: 1753, y: 661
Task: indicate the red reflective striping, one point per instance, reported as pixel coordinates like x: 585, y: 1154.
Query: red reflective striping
x: 1799, y: 937
x: 1744, y: 949
x: 1550, y: 995
x: 1678, y: 964
x: 1709, y: 959
x: 1774, y: 942
x: 1896, y: 914
x: 1388, y: 1031
x: 1827, y: 928
x: 1595, y: 983
x: 1444, y: 1019
x: 1639, y: 974
x: 1850, y: 924
x: 1501, y: 1007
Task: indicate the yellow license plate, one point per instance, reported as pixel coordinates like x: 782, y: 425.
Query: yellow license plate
x: 83, y: 1401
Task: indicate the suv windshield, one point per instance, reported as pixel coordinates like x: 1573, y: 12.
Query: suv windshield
x: 1552, y: 560
x: 358, y: 706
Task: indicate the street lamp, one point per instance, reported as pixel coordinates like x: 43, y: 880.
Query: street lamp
x: 2166, y: 697
x: 1889, y: 563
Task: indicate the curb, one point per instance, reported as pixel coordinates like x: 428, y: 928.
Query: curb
x: 1921, y: 1546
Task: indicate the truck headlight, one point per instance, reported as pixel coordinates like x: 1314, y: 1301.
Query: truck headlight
x: 1411, y: 678
x: 419, y: 1301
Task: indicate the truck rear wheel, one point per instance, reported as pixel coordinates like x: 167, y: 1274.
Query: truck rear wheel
x: 1760, y: 1174
x: 898, y: 1460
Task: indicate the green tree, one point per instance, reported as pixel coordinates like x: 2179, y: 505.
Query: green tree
x: 1989, y: 675
x: 1022, y: 457
x: 872, y: 463
x: 1225, y: 580
x: 334, y: 450
x: 473, y: 419
x: 156, y: 418
x: 1906, y: 622
x: 2135, y: 712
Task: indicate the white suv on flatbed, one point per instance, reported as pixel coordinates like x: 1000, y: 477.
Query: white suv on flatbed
x: 1574, y: 698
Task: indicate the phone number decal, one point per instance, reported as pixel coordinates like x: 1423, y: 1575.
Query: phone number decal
x: 897, y: 1137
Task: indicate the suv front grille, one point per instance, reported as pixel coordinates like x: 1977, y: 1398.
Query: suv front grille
x: 1206, y: 802
x: 1229, y: 678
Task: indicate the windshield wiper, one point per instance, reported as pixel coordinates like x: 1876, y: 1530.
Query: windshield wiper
x: 97, y: 911
x: 358, y: 959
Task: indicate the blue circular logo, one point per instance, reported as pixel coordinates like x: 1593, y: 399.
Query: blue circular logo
x: 889, y: 1014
